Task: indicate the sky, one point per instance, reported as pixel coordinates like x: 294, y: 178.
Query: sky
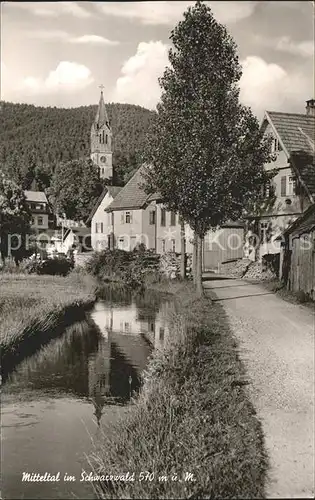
x: 59, y: 53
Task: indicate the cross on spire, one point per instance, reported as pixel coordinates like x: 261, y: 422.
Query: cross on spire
x: 101, y: 87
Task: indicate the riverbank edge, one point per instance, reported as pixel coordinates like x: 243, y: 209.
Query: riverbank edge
x: 193, y: 415
x: 40, y: 332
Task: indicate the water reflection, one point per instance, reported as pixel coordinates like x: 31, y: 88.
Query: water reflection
x: 90, y: 371
x: 102, y: 359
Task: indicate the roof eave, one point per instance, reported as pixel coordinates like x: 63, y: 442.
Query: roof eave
x: 268, y: 118
x: 117, y: 209
x: 297, y: 172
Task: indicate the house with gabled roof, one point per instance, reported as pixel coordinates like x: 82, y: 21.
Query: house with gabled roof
x: 141, y: 218
x: 133, y: 215
x: 40, y: 209
x: 292, y: 189
x: 100, y: 220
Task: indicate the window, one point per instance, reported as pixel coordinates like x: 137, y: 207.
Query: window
x: 264, y: 226
x: 128, y: 218
x: 112, y: 214
x: 173, y: 219
x: 101, y: 224
x: 163, y: 245
x: 173, y: 244
x: 106, y: 139
x: 40, y: 221
x: 163, y: 214
x: 284, y: 185
x: 152, y: 217
x: 103, y: 137
x: 121, y: 243
x: 275, y: 146
x: 127, y: 327
x: 96, y: 227
x: 162, y: 334
x: 33, y: 220
x: 291, y: 185
x: 268, y: 190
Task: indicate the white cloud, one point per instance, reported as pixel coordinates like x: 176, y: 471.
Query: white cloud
x: 93, y: 39
x: 170, y: 13
x: 73, y: 8
x: 51, y: 9
x: 67, y: 76
x: 63, y: 36
x: 304, y: 48
x: 139, y: 81
x: 232, y: 12
x: 268, y: 86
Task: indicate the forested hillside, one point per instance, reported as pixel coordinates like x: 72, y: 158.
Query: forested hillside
x: 36, y: 139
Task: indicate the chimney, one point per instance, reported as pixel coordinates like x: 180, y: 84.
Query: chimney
x: 310, y: 107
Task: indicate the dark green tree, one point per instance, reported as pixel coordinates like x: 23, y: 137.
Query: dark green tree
x: 206, y: 156
x: 75, y: 188
x: 14, y: 219
x: 34, y: 139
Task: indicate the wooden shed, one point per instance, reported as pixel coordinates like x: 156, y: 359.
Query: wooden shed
x: 298, y: 268
x: 224, y: 244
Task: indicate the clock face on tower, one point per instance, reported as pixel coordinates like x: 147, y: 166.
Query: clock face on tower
x: 103, y: 159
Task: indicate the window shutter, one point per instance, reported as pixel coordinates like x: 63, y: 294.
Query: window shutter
x: 122, y: 217
x: 131, y: 217
x: 283, y: 186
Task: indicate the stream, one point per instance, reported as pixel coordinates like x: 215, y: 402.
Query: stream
x: 55, y: 402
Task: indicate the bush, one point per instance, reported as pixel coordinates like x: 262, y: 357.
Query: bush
x: 108, y: 263
x: 271, y: 262
x: 55, y: 266
x: 128, y: 267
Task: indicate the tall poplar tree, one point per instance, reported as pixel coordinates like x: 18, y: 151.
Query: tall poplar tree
x: 206, y: 154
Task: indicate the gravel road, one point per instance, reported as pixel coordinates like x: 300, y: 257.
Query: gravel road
x: 276, y: 341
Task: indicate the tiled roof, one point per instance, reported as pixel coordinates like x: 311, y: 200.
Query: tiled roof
x: 155, y: 197
x: 304, y: 165
x: 304, y: 224
x: 36, y: 196
x: 131, y: 195
x: 112, y: 190
x: 297, y: 131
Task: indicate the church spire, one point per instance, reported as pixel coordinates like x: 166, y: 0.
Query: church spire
x: 101, y: 118
x: 101, y: 141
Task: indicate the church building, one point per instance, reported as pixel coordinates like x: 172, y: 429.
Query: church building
x: 101, y: 142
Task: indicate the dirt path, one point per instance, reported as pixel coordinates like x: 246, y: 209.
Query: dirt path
x: 277, y: 346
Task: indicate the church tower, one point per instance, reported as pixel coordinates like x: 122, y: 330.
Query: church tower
x: 101, y: 141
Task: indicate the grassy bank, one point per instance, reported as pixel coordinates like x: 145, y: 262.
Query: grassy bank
x: 281, y: 290
x: 193, y: 416
x: 33, y: 309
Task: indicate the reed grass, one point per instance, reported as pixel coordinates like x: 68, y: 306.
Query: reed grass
x: 193, y: 416
x: 32, y: 305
